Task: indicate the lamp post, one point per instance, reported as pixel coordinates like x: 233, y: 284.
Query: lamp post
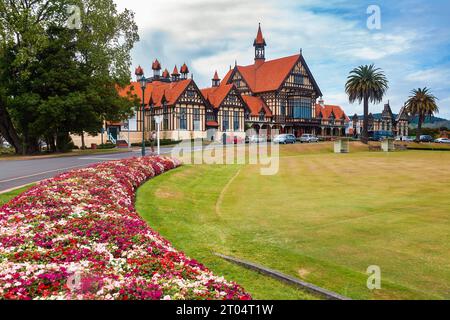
x: 143, y: 82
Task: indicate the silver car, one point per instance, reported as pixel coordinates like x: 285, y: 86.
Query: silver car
x: 309, y: 138
x: 257, y: 139
x: 442, y: 140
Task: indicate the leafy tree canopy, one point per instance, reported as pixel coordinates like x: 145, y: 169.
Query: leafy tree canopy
x: 55, y: 80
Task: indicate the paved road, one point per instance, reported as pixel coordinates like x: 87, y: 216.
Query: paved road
x: 16, y: 173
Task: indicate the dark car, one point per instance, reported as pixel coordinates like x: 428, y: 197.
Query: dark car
x: 426, y: 138
x: 380, y: 135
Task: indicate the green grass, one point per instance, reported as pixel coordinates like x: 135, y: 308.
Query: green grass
x: 6, y: 197
x: 324, y: 218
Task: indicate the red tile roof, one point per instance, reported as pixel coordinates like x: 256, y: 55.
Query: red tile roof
x: 175, y: 71
x: 157, y: 91
x: 216, y: 95
x: 156, y: 65
x: 184, y: 68
x: 216, y: 76
x: 139, y: 71
x: 270, y: 75
x: 166, y: 74
x: 327, y: 110
x: 255, y: 105
x: 259, y: 37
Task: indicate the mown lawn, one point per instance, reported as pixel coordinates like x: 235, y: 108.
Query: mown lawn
x: 6, y: 197
x: 324, y: 218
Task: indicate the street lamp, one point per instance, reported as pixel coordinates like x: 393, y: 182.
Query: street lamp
x: 143, y: 82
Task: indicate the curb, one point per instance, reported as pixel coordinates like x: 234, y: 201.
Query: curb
x: 329, y: 295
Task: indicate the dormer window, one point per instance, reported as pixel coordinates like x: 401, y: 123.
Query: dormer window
x: 262, y: 116
x: 332, y: 118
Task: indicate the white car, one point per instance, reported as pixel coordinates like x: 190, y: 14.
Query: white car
x: 443, y: 140
x: 308, y: 138
x: 257, y: 139
x: 405, y: 139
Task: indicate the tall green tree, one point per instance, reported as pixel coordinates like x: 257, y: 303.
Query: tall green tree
x: 421, y: 103
x: 58, y: 80
x: 364, y: 84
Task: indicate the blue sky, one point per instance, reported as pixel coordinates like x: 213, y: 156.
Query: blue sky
x: 412, y: 46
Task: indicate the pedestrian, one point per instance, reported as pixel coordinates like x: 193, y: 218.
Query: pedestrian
x: 152, y: 141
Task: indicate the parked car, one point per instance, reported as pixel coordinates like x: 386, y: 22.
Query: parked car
x: 380, y: 135
x: 443, y: 140
x: 285, y: 139
x: 308, y: 138
x: 257, y: 139
x: 426, y: 138
x: 405, y: 139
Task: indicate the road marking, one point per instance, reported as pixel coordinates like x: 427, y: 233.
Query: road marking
x: 41, y: 173
x: 101, y: 159
x: 20, y: 187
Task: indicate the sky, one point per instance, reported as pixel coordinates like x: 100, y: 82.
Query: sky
x: 412, y: 45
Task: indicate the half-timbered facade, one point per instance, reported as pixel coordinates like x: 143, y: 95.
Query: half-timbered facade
x: 180, y: 104
x: 286, y: 86
x: 398, y: 125
x: 225, y: 110
x: 333, y: 120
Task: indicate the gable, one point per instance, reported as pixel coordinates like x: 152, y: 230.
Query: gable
x: 233, y: 99
x: 298, y: 78
x: 191, y: 95
x: 239, y: 81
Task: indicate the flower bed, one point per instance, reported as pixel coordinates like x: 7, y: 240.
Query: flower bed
x: 78, y: 236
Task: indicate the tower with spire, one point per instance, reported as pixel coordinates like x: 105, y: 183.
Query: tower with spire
x: 156, y: 67
x: 216, y: 80
x: 260, y: 47
x: 175, y: 74
x: 184, y: 71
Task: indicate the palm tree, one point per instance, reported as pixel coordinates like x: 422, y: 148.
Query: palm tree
x: 421, y: 104
x: 364, y: 84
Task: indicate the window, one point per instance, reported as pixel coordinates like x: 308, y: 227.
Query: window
x: 225, y: 121
x: 247, y: 115
x: 302, y: 107
x: 283, y: 108
x: 196, y: 120
x: 190, y: 94
x: 236, y: 121
x: 298, y: 78
x: 183, y: 119
x: 165, y: 118
x: 332, y: 119
x: 262, y: 116
x: 210, y: 115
